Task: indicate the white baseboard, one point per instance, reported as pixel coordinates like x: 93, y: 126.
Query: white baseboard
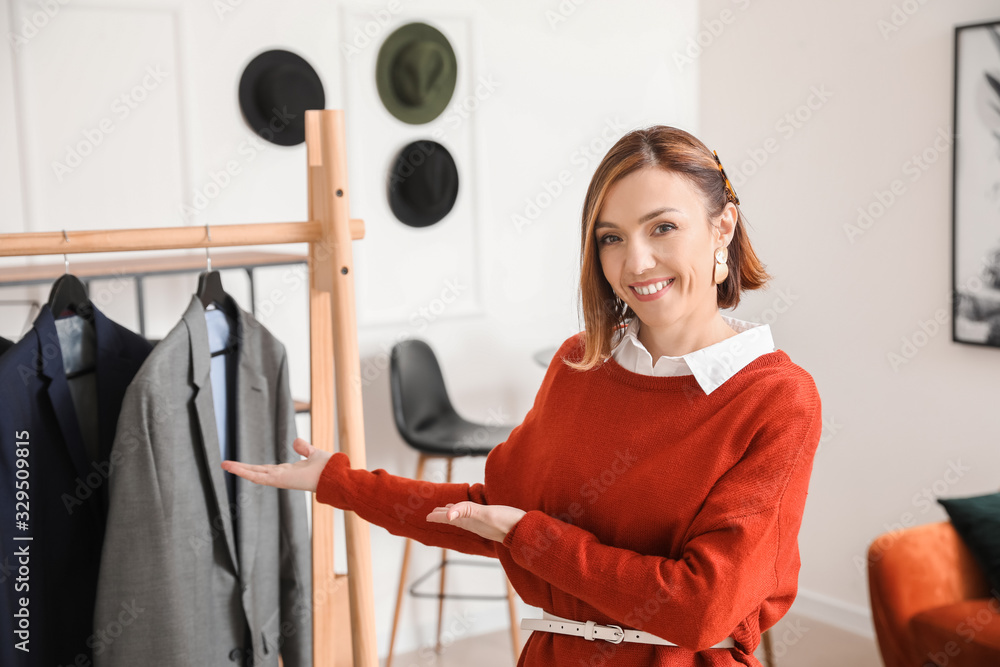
x: 844, y: 615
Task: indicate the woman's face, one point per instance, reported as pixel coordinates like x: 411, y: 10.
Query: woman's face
x: 653, y: 229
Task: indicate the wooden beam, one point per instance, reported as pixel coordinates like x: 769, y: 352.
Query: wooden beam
x: 158, y: 238
x: 334, y: 329
x: 146, y: 265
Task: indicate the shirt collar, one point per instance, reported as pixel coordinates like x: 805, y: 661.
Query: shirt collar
x: 711, y: 365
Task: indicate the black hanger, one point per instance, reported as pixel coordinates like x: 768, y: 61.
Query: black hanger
x: 69, y: 293
x: 210, y: 291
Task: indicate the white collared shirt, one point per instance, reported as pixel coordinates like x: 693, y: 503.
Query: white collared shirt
x: 710, y: 365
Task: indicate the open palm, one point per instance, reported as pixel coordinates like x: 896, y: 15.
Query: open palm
x: 490, y: 521
x: 302, y: 475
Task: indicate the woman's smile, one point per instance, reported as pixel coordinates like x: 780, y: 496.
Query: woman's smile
x: 651, y: 291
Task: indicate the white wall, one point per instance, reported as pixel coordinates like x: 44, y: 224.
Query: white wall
x: 571, y: 77
x: 838, y: 308
x: 895, y: 437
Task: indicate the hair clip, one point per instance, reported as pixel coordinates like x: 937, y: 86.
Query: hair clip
x: 730, y: 190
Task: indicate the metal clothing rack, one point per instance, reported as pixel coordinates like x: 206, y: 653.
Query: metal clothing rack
x: 333, y: 345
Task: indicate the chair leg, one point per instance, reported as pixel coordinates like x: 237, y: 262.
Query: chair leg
x: 768, y: 650
x: 437, y: 645
x: 515, y: 627
x: 402, y: 577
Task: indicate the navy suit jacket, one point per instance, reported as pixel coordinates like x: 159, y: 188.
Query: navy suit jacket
x: 53, y: 497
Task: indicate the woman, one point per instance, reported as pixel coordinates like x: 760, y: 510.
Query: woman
x: 663, y: 500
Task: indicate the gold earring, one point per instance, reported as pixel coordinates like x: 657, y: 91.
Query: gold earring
x: 721, y: 268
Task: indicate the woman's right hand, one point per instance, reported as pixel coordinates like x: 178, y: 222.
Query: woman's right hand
x: 302, y: 475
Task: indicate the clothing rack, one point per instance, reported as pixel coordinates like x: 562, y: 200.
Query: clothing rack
x: 333, y: 345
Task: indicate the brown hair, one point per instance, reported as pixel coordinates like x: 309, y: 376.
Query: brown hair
x: 672, y: 149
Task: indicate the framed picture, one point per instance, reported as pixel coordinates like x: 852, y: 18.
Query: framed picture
x: 975, y: 204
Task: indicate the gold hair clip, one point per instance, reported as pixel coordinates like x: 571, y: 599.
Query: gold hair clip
x: 730, y: 190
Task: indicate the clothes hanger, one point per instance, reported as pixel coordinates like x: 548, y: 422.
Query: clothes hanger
x: 69, y: 293
x: 211, y: 293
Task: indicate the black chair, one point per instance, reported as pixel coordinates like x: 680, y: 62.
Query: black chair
x: 427, y: 422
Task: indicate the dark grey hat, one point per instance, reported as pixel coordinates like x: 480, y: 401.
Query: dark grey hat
x: 276, y: 89
x: 423, y: 183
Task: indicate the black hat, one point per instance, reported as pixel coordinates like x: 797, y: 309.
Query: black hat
x: 423, y: 183
x: 276, y: 89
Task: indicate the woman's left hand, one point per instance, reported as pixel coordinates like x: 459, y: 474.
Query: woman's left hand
x: 490, y: 521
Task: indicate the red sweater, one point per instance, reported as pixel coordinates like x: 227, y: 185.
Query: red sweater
x: 650, y: 505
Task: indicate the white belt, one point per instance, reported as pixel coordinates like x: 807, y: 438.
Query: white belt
x: 609, y: 633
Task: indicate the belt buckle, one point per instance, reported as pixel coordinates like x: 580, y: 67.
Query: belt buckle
x: 621, y: 634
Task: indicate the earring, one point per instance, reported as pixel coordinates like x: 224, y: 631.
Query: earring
x: 721, y: 268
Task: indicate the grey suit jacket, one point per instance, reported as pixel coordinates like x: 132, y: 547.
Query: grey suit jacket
x: 175, y: 588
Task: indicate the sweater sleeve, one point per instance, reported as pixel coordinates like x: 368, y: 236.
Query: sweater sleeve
x: 401, y: 505
x: 741, y: 543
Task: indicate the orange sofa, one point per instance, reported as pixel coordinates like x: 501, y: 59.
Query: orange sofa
x: 931, y: 602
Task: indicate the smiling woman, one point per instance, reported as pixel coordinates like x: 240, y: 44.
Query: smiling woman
x: 650, y: 501
x: 664, y: 242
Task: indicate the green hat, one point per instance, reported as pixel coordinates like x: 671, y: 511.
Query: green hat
x: 415, y: 73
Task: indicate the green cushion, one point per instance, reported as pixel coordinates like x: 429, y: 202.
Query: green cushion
x: 977, y: 520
